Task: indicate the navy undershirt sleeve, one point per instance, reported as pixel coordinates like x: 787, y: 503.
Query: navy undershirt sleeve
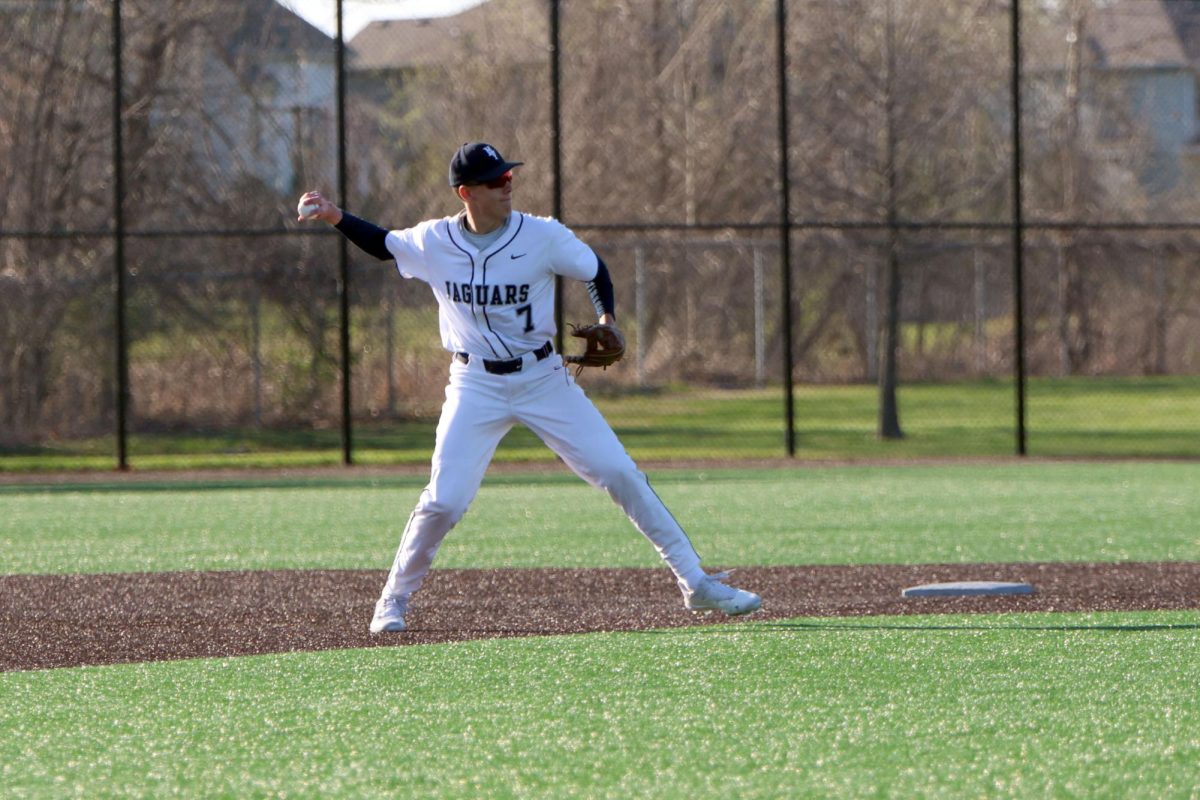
x: 601, y: 290
x: 369, y: 237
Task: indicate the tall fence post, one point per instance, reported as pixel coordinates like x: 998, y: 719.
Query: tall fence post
x: 785, y: 227
x: 256, y: 359
x: 760, y: 319
x: 980, y: 279
x: 1018, y: 233
x: 122, y: 345
x: 639, y: 310
x: 556, y: 155
x: 343, y: 248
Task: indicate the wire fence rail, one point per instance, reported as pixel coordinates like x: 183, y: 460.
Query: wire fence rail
x: 798, y: 199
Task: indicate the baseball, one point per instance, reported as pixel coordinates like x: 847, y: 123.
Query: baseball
x: 309, y: 209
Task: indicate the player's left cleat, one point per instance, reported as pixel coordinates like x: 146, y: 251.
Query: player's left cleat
x: 714, y: 595
x: 389, y: 616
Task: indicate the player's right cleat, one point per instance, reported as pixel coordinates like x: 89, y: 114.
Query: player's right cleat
x: 389, y: 616
x: 713, y: 595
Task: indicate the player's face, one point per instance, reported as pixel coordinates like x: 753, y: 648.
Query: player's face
x: 493, y: 197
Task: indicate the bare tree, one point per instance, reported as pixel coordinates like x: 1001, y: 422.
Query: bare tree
x: 204, y: 137
x: 898, y: 123
x: 1091, y: 154
x: 53, y: 169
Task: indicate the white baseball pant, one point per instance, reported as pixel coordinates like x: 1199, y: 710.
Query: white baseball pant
x: 480, y: 409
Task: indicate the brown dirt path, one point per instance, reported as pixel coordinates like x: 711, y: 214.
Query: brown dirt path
x: 74, y: 620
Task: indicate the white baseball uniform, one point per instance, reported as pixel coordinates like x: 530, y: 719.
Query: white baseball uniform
x: 496, y: 312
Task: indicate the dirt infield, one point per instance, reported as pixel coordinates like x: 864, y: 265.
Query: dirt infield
x: 75, y: 620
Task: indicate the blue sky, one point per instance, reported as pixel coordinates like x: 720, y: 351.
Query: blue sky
x: 322, y: 13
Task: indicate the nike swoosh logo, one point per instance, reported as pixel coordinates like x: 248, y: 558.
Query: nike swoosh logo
x: 515, y: 257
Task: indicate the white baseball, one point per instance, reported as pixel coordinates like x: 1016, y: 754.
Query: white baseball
x: 309, y: 209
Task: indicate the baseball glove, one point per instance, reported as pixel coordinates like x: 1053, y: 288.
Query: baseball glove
x: 605, y: 346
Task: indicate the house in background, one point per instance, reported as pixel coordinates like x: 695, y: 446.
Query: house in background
x: 407, y: 77
x: 1137, y: 50
x: 1185, y: 19
x: 269, y: 104
x: 511, y: 33
x: 1118, y: 72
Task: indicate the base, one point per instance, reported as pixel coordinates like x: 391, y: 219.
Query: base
x: 966, y: 588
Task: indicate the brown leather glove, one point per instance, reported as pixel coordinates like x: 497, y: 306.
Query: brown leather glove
x: 605, y: 346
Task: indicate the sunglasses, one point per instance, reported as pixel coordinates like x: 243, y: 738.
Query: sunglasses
x: 498, y: 183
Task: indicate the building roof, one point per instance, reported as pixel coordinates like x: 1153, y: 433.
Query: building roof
x: 265, y: 23
x: 1120, y: 36
x: 1185, y: 17
x: 1129, y: 35
x: 509, y: 31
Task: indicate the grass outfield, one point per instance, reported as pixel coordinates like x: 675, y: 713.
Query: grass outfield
x: 954, y: 706
x: 1143, y: 416
x: 928, y: 514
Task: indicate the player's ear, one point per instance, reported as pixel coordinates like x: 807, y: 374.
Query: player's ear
x: 463, y: 192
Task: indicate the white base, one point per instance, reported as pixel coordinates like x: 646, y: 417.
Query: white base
x: 965, y: 588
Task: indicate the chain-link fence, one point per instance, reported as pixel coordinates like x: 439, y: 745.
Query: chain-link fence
x: 837, y: 229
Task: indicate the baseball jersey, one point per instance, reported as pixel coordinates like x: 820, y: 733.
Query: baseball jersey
x: 497, y: 302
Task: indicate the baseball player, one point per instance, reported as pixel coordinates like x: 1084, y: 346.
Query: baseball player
x: 492, y: 271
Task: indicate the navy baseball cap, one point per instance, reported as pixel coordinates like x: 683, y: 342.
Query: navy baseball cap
x: 476, y: 162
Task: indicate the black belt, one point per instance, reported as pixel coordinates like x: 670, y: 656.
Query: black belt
x: 511, y: 365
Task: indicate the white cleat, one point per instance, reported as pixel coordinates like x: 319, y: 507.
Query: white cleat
x: 389, y: 616
x: 713, y: 595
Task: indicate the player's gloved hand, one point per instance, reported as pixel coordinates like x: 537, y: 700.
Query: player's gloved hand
x: 605, y: 346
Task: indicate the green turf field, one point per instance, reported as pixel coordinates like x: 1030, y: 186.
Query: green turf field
x: 1041, y: 705
x: 957, y: 706
x: 1109, y: 416
x: 924, y: 514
